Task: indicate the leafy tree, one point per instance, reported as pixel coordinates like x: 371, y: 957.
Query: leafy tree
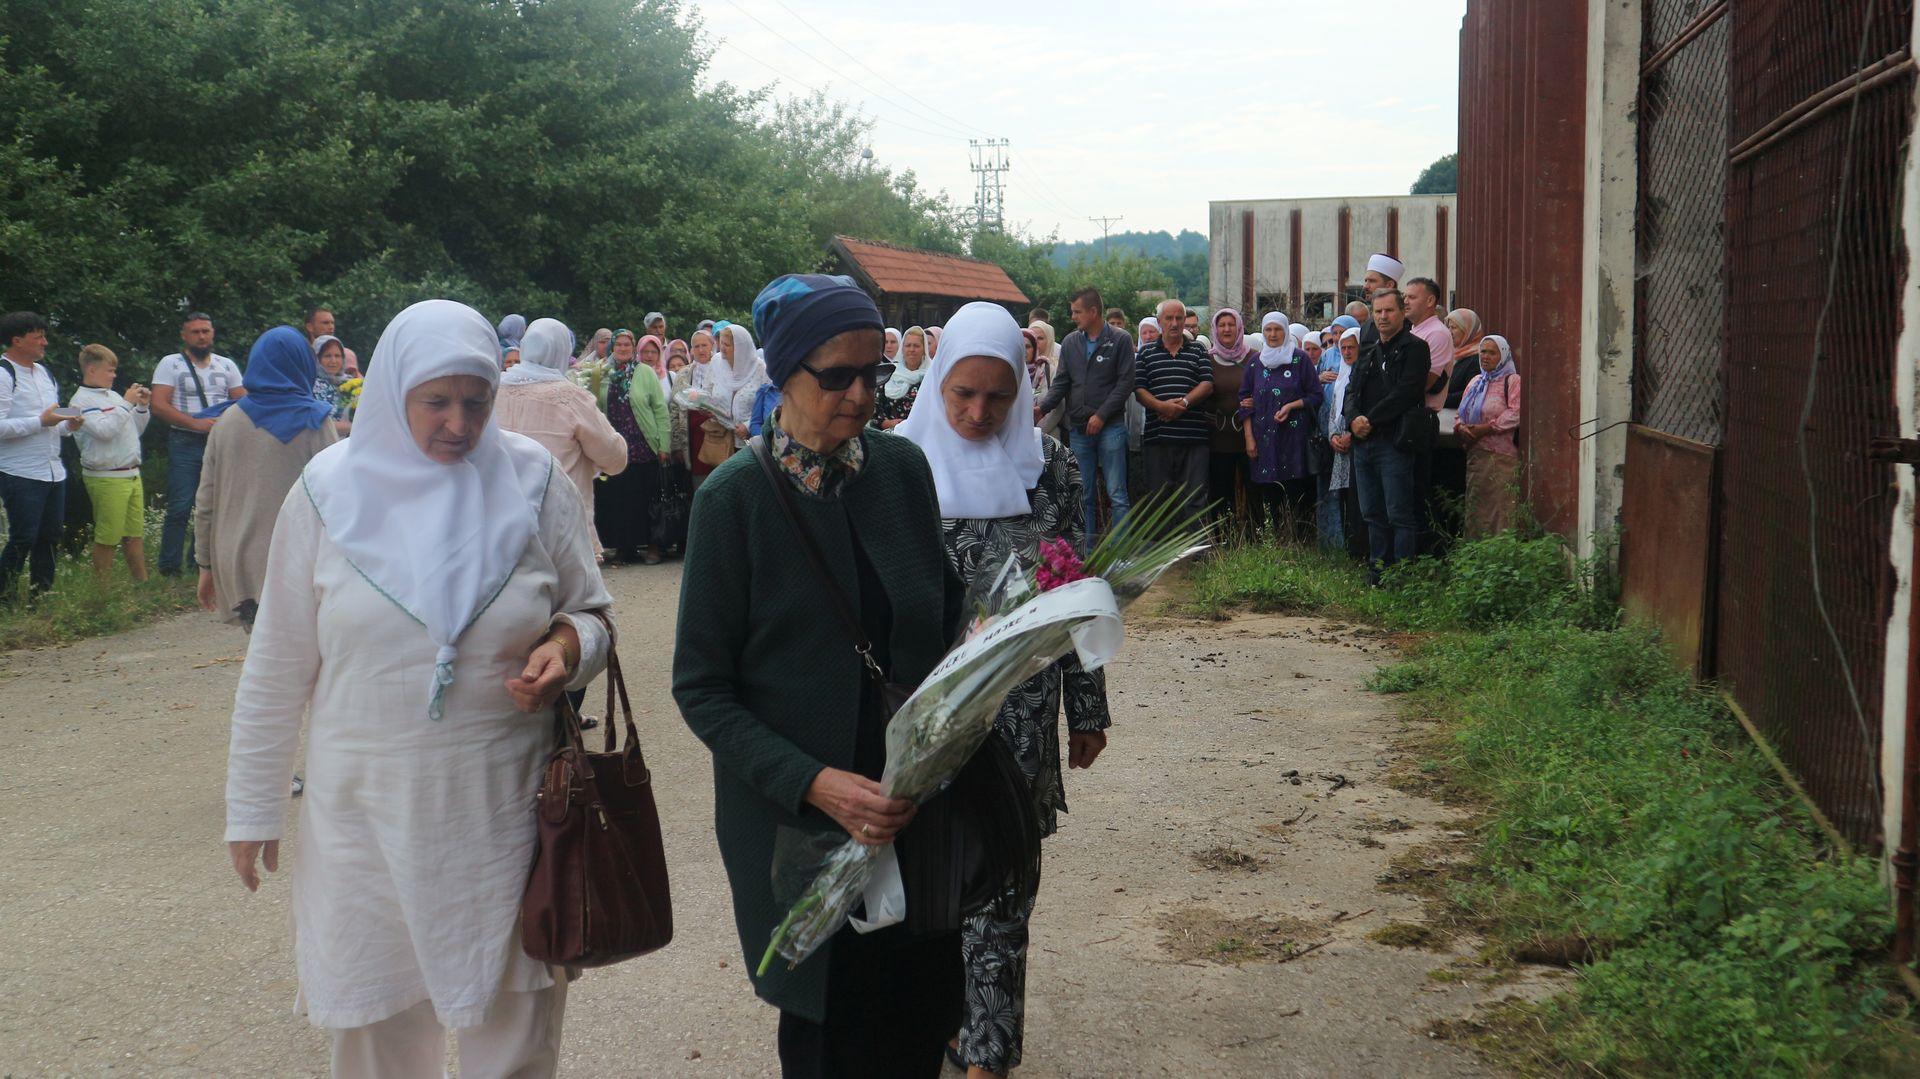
x: 1440, y: 178
x: 253, y: 157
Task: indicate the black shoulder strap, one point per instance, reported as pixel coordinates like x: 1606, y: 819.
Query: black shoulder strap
x: 842, y: 607
x: 202, y: 388
x: 14, y: 374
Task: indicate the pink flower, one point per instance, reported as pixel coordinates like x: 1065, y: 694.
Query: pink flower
x: 1059, y: 565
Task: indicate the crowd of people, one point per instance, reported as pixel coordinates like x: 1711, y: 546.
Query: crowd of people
x: 417, y: 548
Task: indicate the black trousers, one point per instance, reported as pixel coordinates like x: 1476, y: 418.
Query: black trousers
x: 1287, y: 507
x: 893, y: 1003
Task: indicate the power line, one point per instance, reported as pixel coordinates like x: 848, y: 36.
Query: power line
x: 863, y: 65
x: 961, y: 132
x: 731, y: 44
x: 1106, y: 224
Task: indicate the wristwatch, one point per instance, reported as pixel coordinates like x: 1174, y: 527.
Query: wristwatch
x: 1183, y: 403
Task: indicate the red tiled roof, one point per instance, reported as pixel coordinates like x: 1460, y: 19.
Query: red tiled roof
x: 903, y: 271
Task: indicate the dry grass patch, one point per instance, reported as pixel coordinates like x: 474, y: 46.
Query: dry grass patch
x: 1203, y: 934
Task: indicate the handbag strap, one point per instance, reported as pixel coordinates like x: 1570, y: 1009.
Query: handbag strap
x: 842, y: 607
x: 566, y: 718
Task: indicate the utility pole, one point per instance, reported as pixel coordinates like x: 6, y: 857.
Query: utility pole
x: 989, y: 199
x: 1106, y: 225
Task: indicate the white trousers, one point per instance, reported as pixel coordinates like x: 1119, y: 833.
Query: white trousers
x: 519, y: 1040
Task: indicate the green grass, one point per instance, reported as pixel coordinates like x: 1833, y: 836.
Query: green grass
x: 79, y: 606
x: 1619, y: 806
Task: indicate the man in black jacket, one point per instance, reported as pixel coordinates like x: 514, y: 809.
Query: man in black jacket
x: 1386, y: 412
x: 1095, y: 379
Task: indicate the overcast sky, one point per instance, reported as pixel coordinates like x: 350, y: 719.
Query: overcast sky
x: 1070, y: 83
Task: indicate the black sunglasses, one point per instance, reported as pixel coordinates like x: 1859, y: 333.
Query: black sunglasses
x: 835, y: 379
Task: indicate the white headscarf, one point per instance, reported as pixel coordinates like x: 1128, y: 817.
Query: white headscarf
x: 1270, y: 356
x: 903, y: 381
x: 987, y: 479
x: 1346, y: 373
x: 546, y: 351
x: 438, y: 540
x: 746, y: 370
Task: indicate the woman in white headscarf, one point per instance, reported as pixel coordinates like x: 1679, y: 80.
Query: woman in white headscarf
x: 892, y: 346
x: 1277, y: 402
x: 1338, y: 509
x: 431, y: 592
x: 895, y: 401
x: 538, y: 400
x: 1003, y: 486
x: 737, y: 378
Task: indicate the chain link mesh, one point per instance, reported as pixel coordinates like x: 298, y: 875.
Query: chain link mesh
x: 1816, y: 693
x: 1681, y: 300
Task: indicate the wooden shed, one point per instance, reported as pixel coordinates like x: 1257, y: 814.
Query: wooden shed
x: 924, y: 288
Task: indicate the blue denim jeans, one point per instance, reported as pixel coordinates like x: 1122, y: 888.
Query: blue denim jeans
x: 1329, y: 511
x: 1388, y: 482
x: 36, y: 511
x: 184, y: 454
x: 1101, y: 457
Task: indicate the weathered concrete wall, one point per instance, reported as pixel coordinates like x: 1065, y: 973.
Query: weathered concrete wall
x: 1607, y: 262
x: 1372, y: 225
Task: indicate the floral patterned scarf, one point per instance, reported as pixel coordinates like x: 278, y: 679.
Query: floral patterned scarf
x: 821, y: 475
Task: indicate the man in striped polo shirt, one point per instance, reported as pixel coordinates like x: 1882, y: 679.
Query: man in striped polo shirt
x: 1171, y: 377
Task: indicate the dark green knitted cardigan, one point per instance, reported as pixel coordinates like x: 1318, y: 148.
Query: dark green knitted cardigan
x: 765, y: 675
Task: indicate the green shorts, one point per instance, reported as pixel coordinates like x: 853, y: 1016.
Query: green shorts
x: 119, y: 508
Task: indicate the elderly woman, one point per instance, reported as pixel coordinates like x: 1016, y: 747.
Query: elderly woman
x: 1277, y: 403
x: 330, y: 359
x: 738, y: 378
x: 1489, y: 419
x: 1338, y: 508
x: 597, y: 347
x: 623, y: 505
x: 1229, y: 357
x: 894, y: 337
x: 537, y: 400
x: 1005, y: 487
x: 772, y: 682
x: 254, y: 454
x: 424, y: 648
x: 898, y: 393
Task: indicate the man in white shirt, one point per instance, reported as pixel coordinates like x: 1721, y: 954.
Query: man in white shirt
x: 188, y: 387
x: 32, y: 479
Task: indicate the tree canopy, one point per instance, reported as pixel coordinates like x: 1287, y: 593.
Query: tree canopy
x: 252, y: 158
x: 1440, y: 178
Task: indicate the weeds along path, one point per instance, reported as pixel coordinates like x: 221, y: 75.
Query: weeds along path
x: 1208, y: 907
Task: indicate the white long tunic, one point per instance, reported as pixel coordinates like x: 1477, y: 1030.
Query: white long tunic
x: 416, y: 836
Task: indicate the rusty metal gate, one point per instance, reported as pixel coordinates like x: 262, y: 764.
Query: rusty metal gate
x: 1680, y: 299
x: 1819, y: 102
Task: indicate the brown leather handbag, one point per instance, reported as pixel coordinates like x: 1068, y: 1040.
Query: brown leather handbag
x: 598, y: 891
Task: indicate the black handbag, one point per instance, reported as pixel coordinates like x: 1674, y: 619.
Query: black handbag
x: 975, y: 844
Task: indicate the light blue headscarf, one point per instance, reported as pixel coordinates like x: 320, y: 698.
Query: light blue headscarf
x: 1473, y: 403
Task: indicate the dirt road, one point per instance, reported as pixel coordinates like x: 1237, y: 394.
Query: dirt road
x: 1205, y: 908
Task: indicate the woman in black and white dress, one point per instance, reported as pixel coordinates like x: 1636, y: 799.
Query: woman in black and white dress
x: 1004, y: 488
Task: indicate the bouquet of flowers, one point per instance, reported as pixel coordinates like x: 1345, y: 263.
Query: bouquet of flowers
x: 347, y: 396
x: 1031, y: 611
x: 695, y: 398
x: 593, y: 377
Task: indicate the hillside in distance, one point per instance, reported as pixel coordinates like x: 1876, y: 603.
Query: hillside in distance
x: 1161, y: 244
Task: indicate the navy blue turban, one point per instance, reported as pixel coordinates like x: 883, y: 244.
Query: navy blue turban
x: 796, y: 313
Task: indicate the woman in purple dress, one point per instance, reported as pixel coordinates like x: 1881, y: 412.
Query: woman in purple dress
x: 1277, y: 399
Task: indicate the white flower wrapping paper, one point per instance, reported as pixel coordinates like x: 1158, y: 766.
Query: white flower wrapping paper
x: 938, y: 730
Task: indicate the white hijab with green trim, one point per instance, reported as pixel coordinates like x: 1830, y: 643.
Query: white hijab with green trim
x: 439, y: 540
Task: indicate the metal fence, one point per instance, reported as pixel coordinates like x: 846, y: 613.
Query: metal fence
x: 1681, y: 287
x: 1819, y: 101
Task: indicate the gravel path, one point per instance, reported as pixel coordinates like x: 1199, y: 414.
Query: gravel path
x: 1202, y: 913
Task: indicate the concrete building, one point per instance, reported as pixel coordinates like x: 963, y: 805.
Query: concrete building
x: 1306, y: 256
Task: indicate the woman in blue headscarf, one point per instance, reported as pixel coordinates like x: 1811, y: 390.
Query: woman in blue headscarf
x: 254, y: 454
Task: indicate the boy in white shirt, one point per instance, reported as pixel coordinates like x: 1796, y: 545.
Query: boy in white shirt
x: 109, y: 437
